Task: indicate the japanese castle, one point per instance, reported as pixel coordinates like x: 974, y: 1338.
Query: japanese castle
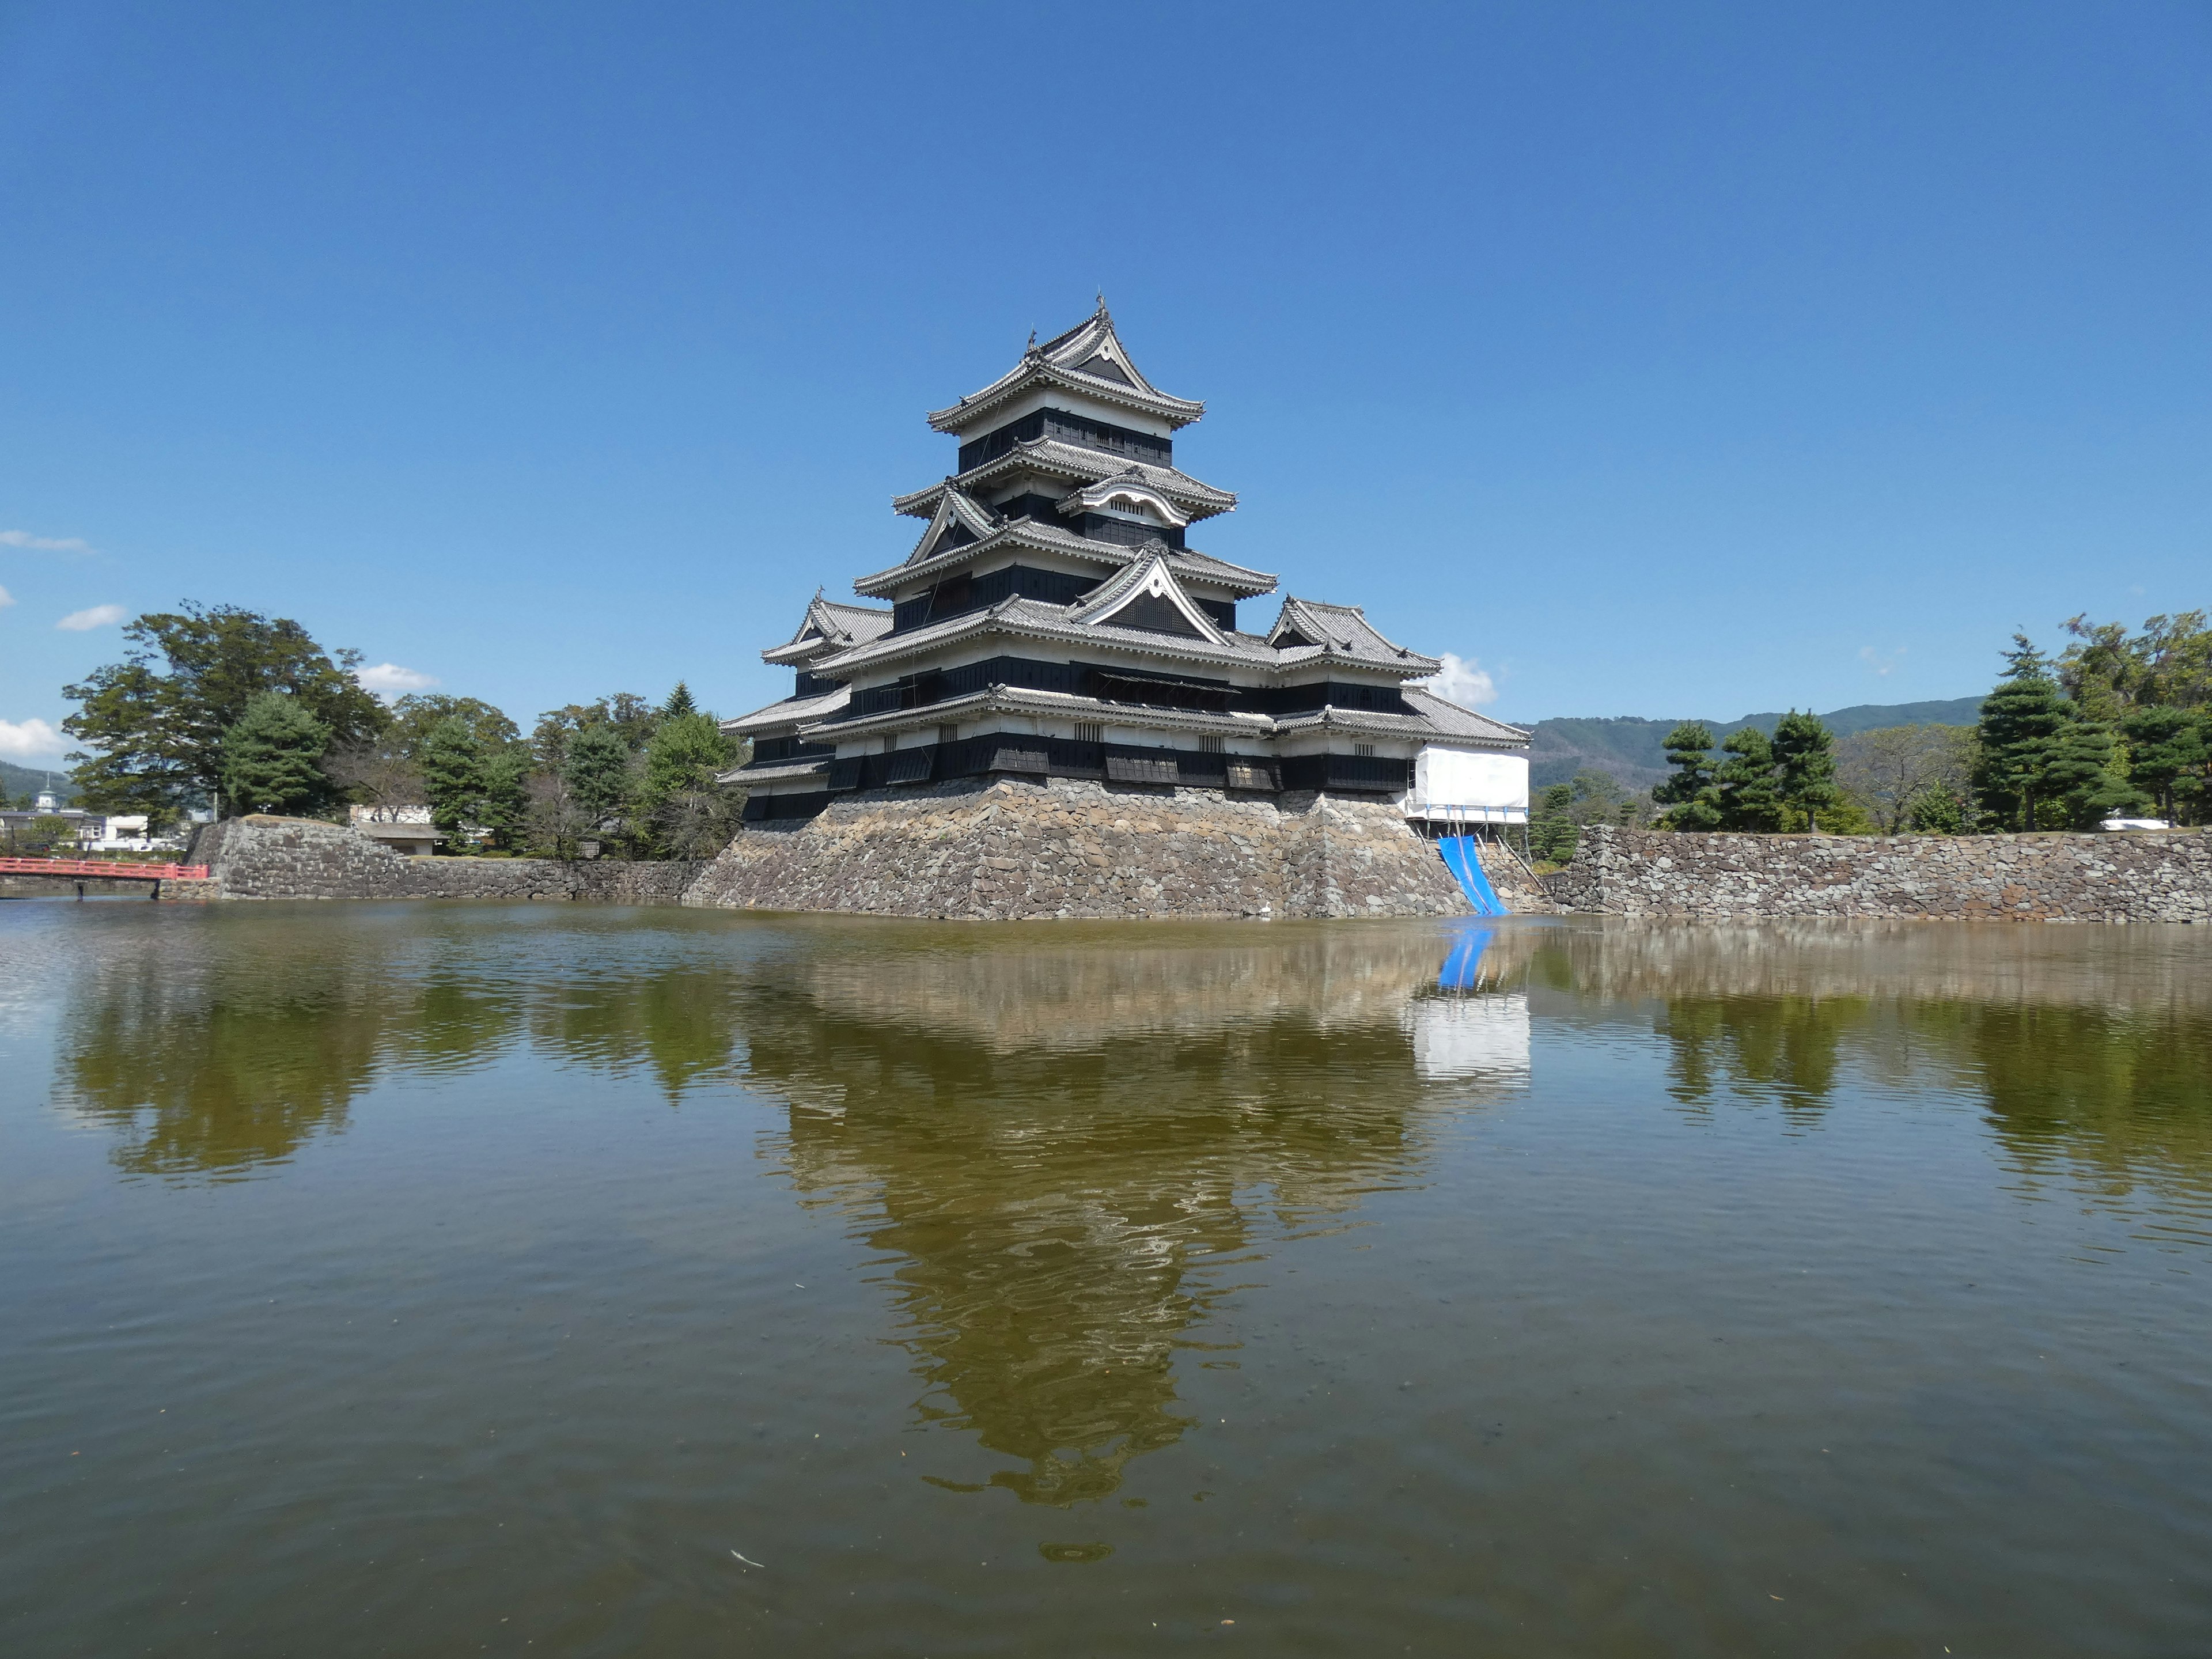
x: 1054, y: 620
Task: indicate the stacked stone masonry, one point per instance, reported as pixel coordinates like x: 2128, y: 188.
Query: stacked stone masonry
x: 260, y: 857
x: 2125, y: 878
x: 1009, y: 850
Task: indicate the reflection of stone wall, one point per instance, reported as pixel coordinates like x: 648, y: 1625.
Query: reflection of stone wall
x: 1015, y: 850
x: 260, y: 857
x: 1057, y: 991
x: 2044, y: 878
x: 1631, y: 960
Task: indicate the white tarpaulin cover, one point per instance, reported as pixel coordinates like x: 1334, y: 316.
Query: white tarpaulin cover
x: 1473, y: 780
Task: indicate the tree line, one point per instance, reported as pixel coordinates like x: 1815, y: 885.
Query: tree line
x: 2117, y: 725
x: 223, y: 706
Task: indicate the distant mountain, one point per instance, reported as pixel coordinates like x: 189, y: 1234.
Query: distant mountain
x: 1633, y: 750
x: 18, y: 780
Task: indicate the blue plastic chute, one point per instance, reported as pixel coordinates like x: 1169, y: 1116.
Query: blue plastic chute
x: 1462, y: 858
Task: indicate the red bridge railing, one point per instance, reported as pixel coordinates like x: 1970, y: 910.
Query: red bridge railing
x: 105, y: 870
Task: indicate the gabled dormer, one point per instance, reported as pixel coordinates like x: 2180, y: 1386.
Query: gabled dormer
x: 1146, y: 595
x: 958, y: 522
x: 827, y: 629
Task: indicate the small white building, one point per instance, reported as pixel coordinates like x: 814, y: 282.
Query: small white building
x: 403, y: 829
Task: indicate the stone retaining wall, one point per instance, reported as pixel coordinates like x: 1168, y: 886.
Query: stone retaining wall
x: 2042, y: 878
x: 260, y: 857
x: 1009, y: 850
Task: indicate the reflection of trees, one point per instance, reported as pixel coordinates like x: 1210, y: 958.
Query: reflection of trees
x: 224, y: 1049
x: 1055, y: 1143
x: 2124, y: 1096
x: 2091, y: 1049
x: 1781, y: 1048
x: 677, y: 1022
x: 228, y: 1045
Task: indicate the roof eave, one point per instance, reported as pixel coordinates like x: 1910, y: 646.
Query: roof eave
x: 1177, y: 412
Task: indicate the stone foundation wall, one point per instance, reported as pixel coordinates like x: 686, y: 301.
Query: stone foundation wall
x: 2042, y: 878
x: 1009, y: 850
x: 259, y: 857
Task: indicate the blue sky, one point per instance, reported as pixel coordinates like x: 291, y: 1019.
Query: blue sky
x: 1659, y: 360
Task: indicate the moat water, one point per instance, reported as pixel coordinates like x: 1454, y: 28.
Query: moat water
x: 427, y: 1281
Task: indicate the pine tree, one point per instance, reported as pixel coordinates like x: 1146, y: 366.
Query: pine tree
x: 1805, y: 767
x: 272, y: 757
x: 2020, y: 724
x: 2168, y: 749
x: 451, y: 763
x: 679, y: 703
x: 2083, y: 776
x: 682, y: 798
x: 1691, y: 792
x: 1748, y: 798
x: 598, y: 773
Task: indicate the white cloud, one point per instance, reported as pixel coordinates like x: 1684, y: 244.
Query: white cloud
x: 1462, y: 680
x: 1880, y: 663
x: 389, y: 679
x: 6, y: 598
x: 24, y: 538
x: 99, y: 615
x: 28, y: 740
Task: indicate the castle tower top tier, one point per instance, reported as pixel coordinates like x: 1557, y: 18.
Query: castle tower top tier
x: 1087, y: 365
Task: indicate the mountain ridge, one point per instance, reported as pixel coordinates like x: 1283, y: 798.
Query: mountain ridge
x: 1633, y: 748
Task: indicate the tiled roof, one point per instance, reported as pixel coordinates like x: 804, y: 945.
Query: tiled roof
x: 1089, y: 358
x: 1342, y: 633
x: 1452, y: 721
x: 827, y: 626
x: 790, y: 711
x: 1040, y: 621
x: 1053, y: 537
x: 781, y: 772
x: 1074, y: 461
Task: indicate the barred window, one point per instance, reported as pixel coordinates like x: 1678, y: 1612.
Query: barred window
x: 1089, y: 731
x: 1362, y: 748
x: 1209, y: 745
x: 948, y: 734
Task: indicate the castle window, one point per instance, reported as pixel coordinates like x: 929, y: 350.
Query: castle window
x: 1209, y: 745
x: 948, y: 734
x: 1362, y: 748
x: 1089, y: 731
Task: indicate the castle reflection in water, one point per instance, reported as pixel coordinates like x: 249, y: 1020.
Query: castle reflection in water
x: 1059, y: 1141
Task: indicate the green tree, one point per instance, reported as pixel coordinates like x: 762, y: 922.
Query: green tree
x: 2084, y: 779
x: 452, y: 762
x: 1749, y: 799
x: 600, y: 777
x: 1561, y: 812
x: 1888, y: 770
x: 685, y: 808
x: 2107, y: 670
x: 1691, y: 792
x: 272, y: 757
x: 679, y: 704
x: 1937, y: 810
x: 154, y: 723
x: 416, y: 715
x: 1805, y: 767
x: 2169, y: 751
x: 504, y: 805
x: 2021, y: 722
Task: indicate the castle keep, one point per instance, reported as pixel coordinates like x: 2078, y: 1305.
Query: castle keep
x: 1053, y: 629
